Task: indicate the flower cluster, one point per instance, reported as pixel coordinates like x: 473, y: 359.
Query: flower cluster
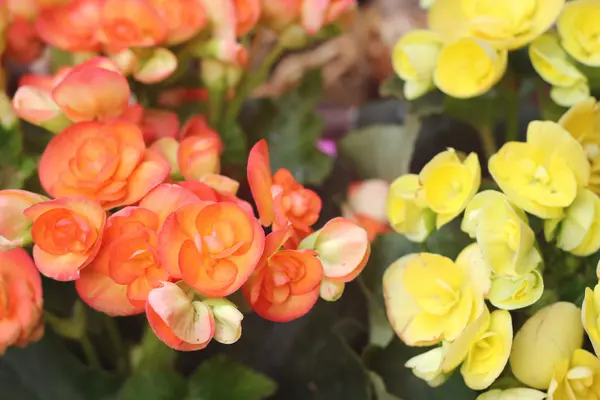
x: 465, y: 307
x: 465, y: 51
x: 135, y: 209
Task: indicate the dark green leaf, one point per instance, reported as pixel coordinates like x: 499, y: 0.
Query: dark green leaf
x: 224, y: 378
x: 449, y: 241
x: 382, y: 151
x: 48, y: 371
x: 400, y: 381
x: 235, y: 144
x: 154, y: 384
x: 380, y: 391
x: 292, y: 128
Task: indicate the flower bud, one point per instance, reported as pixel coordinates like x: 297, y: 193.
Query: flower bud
x: 511, y: 293
x: 228, y: 320
x: 15, y: 227
x: 200, y: 155
x: 428, y: 366
x: 366, y: 205
x: 220, y: 76
x: 590, y: 316
x: 330, y: 290
x: 168, y: 148
x: 548, y: 337
x: 156, y: 66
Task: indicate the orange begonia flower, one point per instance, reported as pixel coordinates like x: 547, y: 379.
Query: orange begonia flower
x: 343, y: 248
x: 119, y: 279
x: 285, y: 284
x: 95, y: 89
x: 106, y: 161
x: 21, y: 301
x: 67, y: 233
x: 14, y: 225
x: 280, y: 14
x: 199, y: 155
x: 22, y: 41
x: 221, y: 183
x: 157, y: 124
x: 247, y: 13
x: 317, y: 13
x: 130, y: 23
x: 72, y: 26
x: 184, y: 18
x: 205, y: 191
x: 214, y: 247
x: 180, y: 322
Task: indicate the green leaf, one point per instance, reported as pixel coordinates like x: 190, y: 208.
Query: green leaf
x: 46, y: 370
x: 292, y: 128
x: 381, y: 392
x: 382, y: 151
x: 234, y: 141
x: 400, y: 381
x: 154, y: 384
x: 224, y: 378
x: 449, y: 241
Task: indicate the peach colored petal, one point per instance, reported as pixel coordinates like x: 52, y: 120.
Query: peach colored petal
x: 157, y: 124
x: 184, y: 18
x: 157, y: 67
x: 62, y: 268
x: 166, y: 198
x: 221, y: 183
x: 247, y: 15
x: 200, y: 189
x: 35, y: 105
x: 293, y: 308
x: 92, y: 93
x: 198, y: 156
x: 101, y: 293
x: 313, y: 14
x: 260, y: 180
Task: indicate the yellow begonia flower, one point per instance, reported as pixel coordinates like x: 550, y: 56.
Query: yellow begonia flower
x: 578, y: 27
x: 569, y: 86
x: 590, y: 316
x: 582, y: 121
x: 576, y: 378
x: 469, y: 67
x: 578, y: 230
x: 428, y: 366
x: 507, y: 24
x: 429, y: 298
x: 505, y: 238
x: 414, y: 58
x: 512, y: 394
x: 449, y: 184
x: 548, y: 337
x: 511, y: 293
x: 407, y: 212
x: 541, y: 176
x: 484, y: 346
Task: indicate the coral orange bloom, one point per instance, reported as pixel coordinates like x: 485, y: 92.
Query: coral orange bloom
x: 94, y: 89
x: 247, y: 13
x: 260, y: 179
x: 72, y: 26
x: 119, y: 279
x: 106, y: 161
x: 22, y: 41
x: 286, y: 283
x: 157, y: 124
x: 294, y: 203
x: 197, y: 126
x: 184, y: 18
x: 130, y: 23
x: 20, y: 300
x: 199, y: 155
x: 67, y: 233
x: 214, y: 247
x: 180, y: 322
x: 14, y: 225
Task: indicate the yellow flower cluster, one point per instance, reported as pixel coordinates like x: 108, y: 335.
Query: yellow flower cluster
x: 465, y: 51
x: 463, y: 307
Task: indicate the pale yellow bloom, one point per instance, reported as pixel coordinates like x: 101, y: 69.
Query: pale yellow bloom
x: 569, y: 86
x: 484, y: 346
x: 576, y: 378
x: 449, y: 184
x: 407, y: 212
x: 414, y: 58
x: 579, y: 30
x: 541, y: 176
x: 331, y: 290
x: 548, y: 337
x: 473, y: 210
x: 511, y: 293
x: 469, y: 67
x: 428, y: 366
x: 425, y: 4
x: 583, y: 122
x: 590, y: 316
x: 227, y: 318
x: 512, y: 394
x: 578, y: 230
x: 508, y: 24
x: 430, y: 298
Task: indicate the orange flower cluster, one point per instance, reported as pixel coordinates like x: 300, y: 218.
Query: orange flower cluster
x: 138, y: 214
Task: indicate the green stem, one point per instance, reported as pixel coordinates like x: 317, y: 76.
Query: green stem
x: 486, y: 135
x: 117, y: 342
x: 216, y: 98
x: 89, y: 351
x: 152, y: 352
x: 512, y: 124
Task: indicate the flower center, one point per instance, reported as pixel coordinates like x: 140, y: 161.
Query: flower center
x: 580, y: 379
x: 541, y: 175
